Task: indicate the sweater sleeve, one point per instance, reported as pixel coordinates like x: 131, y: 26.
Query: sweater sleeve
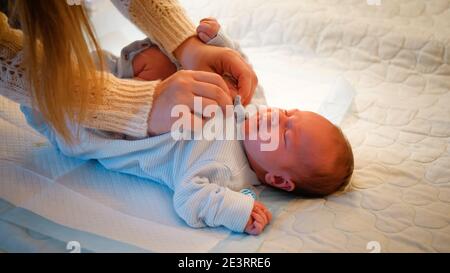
x: 124, y: 107
x: 163, y: 21
x: 201, y: 203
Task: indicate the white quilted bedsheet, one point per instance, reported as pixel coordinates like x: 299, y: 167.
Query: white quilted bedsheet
x: 397, y: 57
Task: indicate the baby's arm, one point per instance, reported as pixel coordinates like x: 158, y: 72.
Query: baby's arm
x: 201, y: 203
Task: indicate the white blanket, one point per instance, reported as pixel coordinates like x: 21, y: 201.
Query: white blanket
x: 396, y: 56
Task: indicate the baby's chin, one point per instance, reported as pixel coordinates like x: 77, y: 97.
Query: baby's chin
x: 250, y: 133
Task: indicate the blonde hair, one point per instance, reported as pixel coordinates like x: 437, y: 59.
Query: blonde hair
x: 62, y: 74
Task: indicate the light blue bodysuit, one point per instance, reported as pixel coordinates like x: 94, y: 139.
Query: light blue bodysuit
x: 205, y: 176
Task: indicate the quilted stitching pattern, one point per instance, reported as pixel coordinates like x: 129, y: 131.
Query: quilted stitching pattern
x: 397, y: 56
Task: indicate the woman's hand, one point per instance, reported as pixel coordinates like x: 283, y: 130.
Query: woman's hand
x: 193, y: 54
x: 180, y: 89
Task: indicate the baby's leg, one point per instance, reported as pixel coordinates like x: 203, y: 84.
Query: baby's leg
x: 140, y: 60
x: 152, y: 64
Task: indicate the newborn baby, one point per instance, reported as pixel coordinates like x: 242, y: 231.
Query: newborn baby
x: 313, y: 156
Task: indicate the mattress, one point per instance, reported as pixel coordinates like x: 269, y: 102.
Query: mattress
x: 395, y: 55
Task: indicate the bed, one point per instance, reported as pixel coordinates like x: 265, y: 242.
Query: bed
x: 395, y: 54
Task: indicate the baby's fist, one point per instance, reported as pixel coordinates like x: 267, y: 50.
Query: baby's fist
x: 259, y: 219
x: 208, y: 29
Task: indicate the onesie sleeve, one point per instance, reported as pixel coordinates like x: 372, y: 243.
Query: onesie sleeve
x: 201, y: 203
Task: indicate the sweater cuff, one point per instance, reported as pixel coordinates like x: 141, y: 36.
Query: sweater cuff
x: 164, y: 21
x: 9, y: 37
x: 238, y: 210
x: 124, y: 108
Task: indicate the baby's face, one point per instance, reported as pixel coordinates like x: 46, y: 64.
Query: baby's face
x: 303, y: 136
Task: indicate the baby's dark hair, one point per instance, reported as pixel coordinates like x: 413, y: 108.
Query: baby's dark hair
x: 319, y: 184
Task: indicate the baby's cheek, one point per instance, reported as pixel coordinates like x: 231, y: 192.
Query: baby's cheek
x: 265, y: 159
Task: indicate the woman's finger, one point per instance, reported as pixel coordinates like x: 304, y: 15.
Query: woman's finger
x: 197, y: 110
x: 231, y: 86
x: 208, y: 103
x: 232, y: 63
x: 212, y: 92
x: 252, y: 78
x: 211, y: 78
x: 197, y: 123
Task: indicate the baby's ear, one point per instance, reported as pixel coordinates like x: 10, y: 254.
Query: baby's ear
x: 280, y: 182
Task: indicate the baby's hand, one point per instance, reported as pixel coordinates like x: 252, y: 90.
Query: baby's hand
x: 259, y: 219
x: 208, y: 29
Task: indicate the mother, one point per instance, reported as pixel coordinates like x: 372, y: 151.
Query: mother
x: 48, y: 66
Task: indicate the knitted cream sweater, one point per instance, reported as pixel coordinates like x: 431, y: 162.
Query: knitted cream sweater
x: 126, y: 103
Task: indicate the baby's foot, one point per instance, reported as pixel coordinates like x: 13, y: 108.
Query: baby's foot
x: 152, y: 64
x: 208, y: 29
